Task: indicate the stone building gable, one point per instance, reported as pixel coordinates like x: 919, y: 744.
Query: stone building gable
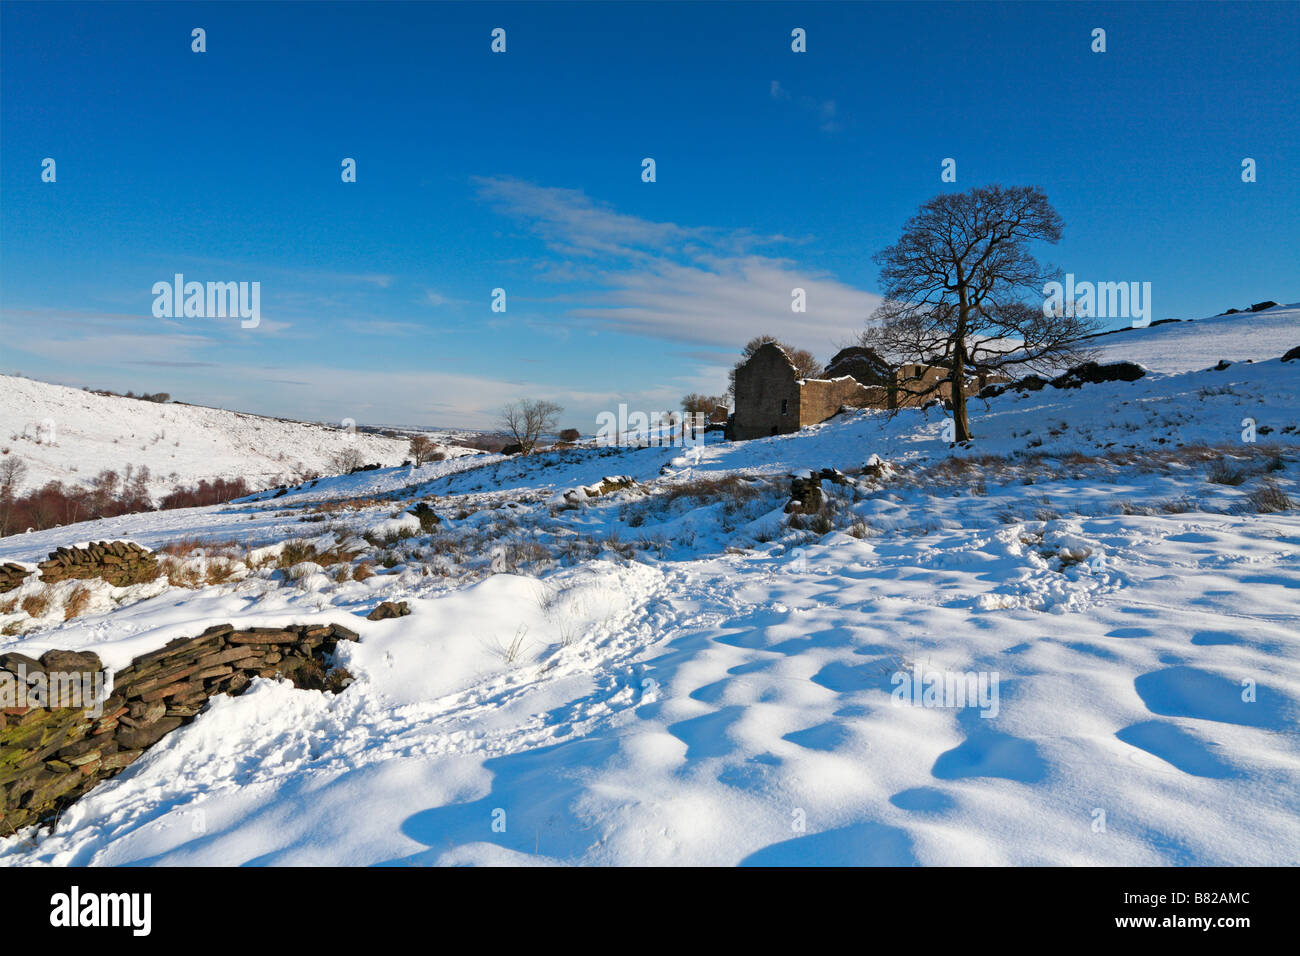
x: 767, y: 395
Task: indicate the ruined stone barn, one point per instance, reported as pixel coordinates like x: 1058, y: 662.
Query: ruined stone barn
x: 893, y: 386
x: 772, y: 400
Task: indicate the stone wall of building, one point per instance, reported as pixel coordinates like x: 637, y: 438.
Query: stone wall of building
x: 916, y: 377
x: 51, y: 755
x: 819, y: 399
x: 767, y: 396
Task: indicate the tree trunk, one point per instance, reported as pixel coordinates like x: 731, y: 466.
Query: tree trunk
x: 962, y: 430
x: 957, y: 377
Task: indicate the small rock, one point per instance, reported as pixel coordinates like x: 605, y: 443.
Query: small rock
x: 388, y: 609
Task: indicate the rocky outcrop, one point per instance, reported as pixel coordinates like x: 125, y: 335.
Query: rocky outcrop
x: 57, y: 741
x: 575, y: 497
x: 118, y: 562
x: 1089, y: 373
x: 806, y: 490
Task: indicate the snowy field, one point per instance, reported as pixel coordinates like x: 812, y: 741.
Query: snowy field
x: 678, y: 673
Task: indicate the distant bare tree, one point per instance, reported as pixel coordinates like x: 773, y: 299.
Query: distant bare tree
x: 695, y: 403
x: 347, y: 459
x: 424, y: 449
x: 528, y: 419
x: 959, y: 291
x: 12, y: 471
x: 703, y: 405
x: 805, y: 364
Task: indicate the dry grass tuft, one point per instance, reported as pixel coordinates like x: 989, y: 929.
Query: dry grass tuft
x: 77, y: 602
x: 1269, y: 498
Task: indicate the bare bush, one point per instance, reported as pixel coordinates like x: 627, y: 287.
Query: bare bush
x: 1269, y: 498
x: 1222, y: 473
x: 347, y: 459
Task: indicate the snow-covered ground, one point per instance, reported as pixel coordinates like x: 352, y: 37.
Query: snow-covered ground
x: 69, y: 435
x: 677, y: 673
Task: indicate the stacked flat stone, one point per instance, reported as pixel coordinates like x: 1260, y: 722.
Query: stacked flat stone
x: 118, y: 562
x: 50, y: 756
x: 12, y: 575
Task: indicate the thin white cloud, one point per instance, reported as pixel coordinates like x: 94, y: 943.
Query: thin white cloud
x: 684, y: 284
x: 826, y: 112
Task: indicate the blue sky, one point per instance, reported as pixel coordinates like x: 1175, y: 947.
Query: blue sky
x: 523, y: 171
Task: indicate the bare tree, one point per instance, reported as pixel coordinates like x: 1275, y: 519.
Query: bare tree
x: 12, y: 471
x: 424, y: 449
x: 958, y: 287
x: 703, y: 406
x: 805, y: 364
x: 528, y: 419
x: 706, y: 405
x: 347, y: 459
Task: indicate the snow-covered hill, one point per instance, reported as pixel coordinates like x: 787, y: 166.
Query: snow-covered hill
x: 1191, y: 345
x: 69, y: 435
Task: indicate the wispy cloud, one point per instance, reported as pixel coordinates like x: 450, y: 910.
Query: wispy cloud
x: 686, y: 284
x: 825, y: 112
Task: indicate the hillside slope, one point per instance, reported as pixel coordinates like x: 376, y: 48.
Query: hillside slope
x: 1192, y: 345
x: 70, y: 435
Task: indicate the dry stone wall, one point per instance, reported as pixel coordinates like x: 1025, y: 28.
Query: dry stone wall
x: 12, y: 575
x: 51, y: 755
x: 118, y: 562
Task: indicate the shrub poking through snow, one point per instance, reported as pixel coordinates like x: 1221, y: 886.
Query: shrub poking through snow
x: 511, y: 652
x: 424, y: 513
x: 1269, y: 498
x: 1222, y: 473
